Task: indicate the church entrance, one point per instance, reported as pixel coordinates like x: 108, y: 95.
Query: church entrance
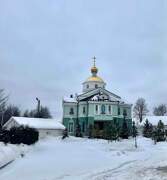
x: 99, y: 125
x: 99, y: 128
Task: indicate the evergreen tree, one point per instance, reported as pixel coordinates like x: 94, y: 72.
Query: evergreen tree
x: 78, y: 130
x: 90, y: 131
x: 96, y: 131
x: 160, y: 131
x: 107, y: 131
x: 161, y: 110
x: 124, y: 134
x: 114, y: 132
x: 26, y: 113
x: 111, y: 131
x: 134, y: 130
x: 147, y: 129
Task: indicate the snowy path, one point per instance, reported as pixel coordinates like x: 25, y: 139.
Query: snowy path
x: 84, y: 159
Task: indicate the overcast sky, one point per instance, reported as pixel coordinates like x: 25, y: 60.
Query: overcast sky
x: 46, y: 48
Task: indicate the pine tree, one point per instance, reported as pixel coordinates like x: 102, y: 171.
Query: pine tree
x: 114, y: 133
x: 107, y: 131
x: 160, y: 131
x: 78, y: 131
x: 90, y: 131
x: 96, y: 131
x: 147, y: 129
x: 124, y: 134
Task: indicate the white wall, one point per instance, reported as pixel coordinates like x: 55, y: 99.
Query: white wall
x: 50, y: 132
x: 42, y: 132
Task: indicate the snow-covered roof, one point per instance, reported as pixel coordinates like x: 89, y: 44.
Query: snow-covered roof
x: 69, y: 99
x: 38, y: 123
x: 155, y: 119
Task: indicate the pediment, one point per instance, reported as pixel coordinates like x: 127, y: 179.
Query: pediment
x: 99, y: 94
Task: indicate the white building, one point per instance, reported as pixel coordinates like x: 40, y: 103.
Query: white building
x: 44, y: 126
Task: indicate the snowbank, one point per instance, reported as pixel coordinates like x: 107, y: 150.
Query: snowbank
x: 11, y: 152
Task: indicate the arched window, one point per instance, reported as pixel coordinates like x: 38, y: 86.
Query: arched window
x: 125, y: 113
x: 96, y: 108
x: 119, y: 112
x: 103, y: 109
x: 84, y: 110
x: 96, y: 86
x: 71, y: 111
x: 109, y: 109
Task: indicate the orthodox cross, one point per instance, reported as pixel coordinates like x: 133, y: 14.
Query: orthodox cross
x: 94, y: 61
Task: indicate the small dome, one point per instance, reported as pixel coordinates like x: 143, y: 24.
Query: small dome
x: 95, y: 78
x: 94, y: 70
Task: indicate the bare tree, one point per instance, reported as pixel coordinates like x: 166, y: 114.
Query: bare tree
x: 10, y: 111
x: 160, y: 110
x: 140, y: 109
x: 3, y: 102
x: 3, y: 99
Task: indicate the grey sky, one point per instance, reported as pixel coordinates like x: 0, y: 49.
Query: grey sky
x: 46, y: 48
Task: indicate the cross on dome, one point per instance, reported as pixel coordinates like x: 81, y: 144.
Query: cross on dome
x: 94, y: 69
x: 94, y: 61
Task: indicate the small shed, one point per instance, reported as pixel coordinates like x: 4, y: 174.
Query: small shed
x: 44, y: 126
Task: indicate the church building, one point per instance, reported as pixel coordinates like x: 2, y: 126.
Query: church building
x: 95, y: 107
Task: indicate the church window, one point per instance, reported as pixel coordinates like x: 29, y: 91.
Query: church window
x: 97, y: 109
x: 109, y: 109
x: 119, y: 112
x: 103, y: 109
x: 84, y: 110
x: 96, y: 86
x: 87, y: 86
x: 71, y: 127
x: 124, y: 112
x: 71, y: 111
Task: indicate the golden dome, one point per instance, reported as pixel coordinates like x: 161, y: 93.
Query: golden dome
x: 95, y: 78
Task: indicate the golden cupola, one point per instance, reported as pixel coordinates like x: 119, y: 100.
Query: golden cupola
x: 93, y: 81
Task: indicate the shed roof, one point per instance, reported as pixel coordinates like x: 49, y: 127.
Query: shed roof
x: 38, y: 123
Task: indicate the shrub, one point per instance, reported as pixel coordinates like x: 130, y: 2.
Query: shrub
x: 18, y: 135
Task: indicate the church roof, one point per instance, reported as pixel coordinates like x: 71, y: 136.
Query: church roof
x: 95, y: 78
x: 90, y: 93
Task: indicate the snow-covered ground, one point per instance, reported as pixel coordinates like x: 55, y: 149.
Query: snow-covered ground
x: 10, y: 152
x: 84, y: 159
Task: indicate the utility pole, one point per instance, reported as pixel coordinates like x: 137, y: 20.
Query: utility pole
x: 38, y: 106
